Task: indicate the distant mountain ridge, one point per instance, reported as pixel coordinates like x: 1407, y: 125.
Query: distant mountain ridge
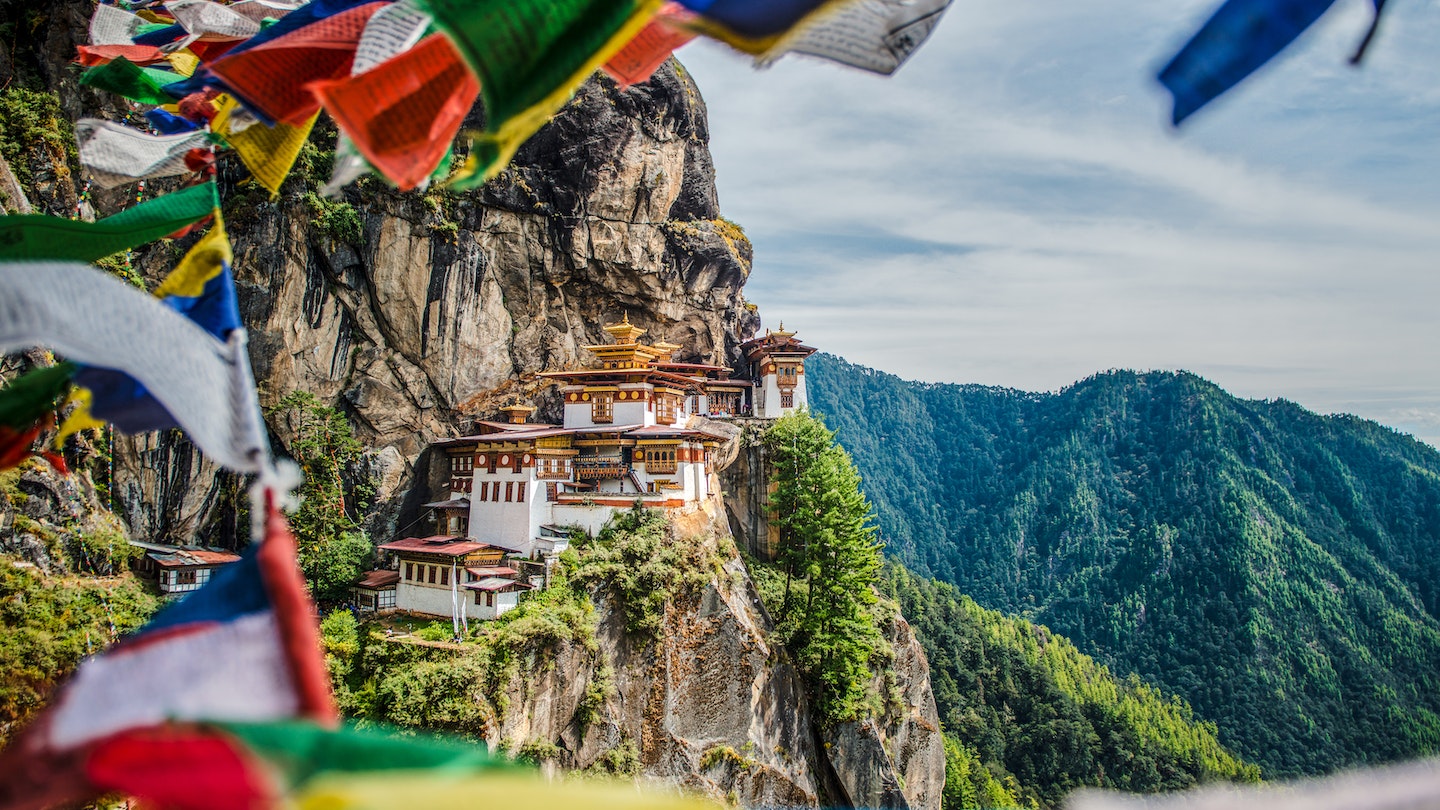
x: 1276, y: 568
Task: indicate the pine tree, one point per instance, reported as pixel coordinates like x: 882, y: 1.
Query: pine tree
x: 829, y: 550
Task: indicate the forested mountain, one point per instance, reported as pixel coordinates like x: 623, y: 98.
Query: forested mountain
x: 1276, y: 568
x: 1025, y: 704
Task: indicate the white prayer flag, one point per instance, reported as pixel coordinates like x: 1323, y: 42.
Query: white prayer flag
x: 117, y: 154
x: 874, y: 35
x: 114, y: 26
x: 91, y: 317
x: 212, y: 21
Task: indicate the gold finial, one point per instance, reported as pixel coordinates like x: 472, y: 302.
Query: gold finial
x: 624, y: 331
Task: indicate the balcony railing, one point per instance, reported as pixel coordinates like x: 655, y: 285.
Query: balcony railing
x: 599, y: 468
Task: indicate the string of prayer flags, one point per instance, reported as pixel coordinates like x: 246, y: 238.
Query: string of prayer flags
x: 873, y: 35
x: 530, y: 56
x: 116, y: 154
x: 643, y: 55
x: 93, y: 318
x: 403, y: 114
x: 267, y: 151
x: 36, y: 236
x: 1241, y: 37
x: 272, y: 78
x: 244, y: 648
x: 302, y: 16
x: 122, y: 77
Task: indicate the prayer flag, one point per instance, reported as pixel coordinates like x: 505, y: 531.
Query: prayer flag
x: 93, y: 318
x: 530, y: 55
x: 873, y: 35
x: 111, y: 25
x: 393, y: 30
x: 35, y: 236
x: 116, y: 154
x: 272, y: 78
x: 122, y: 77
x: 643, y: 55
x: 92, y: 55
x: 242, y: 648
x: 268, y: 152
x: 754, y: 19
x: 200, y: 288
x: 403, y: 114
x: 212, y: 21
x: 27, y: 404
x: 1235, y: 42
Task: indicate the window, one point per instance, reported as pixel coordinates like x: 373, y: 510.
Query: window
x: 489, y: 599
x: 432, y: 574
x: 444, y: 576
x: 185, y: 578
x: 520, y: 491
x: 787, y: 399
x: 659, y: 460
x: 509, y: 491
x: 410, y: 571
x: 602, y: 407
x: 665, y: 409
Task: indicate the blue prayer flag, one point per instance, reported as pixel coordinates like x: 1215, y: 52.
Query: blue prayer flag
x: 754, y: 19
x: 1242, y: 36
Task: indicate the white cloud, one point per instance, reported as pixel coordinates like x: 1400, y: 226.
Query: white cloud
x: 1012, y: 208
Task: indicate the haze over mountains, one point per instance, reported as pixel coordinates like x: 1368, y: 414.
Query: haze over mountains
x: 1276, y: 568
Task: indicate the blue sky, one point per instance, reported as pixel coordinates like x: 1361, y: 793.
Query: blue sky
x: 1012, y: 208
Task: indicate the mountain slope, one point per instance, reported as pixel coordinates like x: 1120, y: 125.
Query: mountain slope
x: 1031, y: 706
x: 1276, y: 568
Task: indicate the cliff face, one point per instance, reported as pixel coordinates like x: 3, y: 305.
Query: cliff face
x: 446, y: 305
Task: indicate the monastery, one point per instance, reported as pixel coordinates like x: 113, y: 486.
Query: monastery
x: 518, y: 489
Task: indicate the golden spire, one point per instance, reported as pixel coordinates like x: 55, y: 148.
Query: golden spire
x: 781, y: 333
x: 624, y: 332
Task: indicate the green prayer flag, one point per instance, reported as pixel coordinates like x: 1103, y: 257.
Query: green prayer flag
x: 530, y: 55
x: 302, y: 750
x: 125, y: 78
x: 33, y: 394
x: 36, y: 236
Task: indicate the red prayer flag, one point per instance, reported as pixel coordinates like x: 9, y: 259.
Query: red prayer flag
x: 643, y: 55
x: 273, y: 78
x: 403, y: 114
x: 92, y: 55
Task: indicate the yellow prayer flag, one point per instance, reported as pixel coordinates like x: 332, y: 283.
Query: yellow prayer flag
x: 386, y: 790
x: 268, y: 152
x: 184, y: 62
x: 79, y: 419
x: 204, y: 261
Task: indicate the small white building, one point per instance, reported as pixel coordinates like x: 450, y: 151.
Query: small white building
x: 435, y: 576
x: 376, y: 591
x: 181, y: 569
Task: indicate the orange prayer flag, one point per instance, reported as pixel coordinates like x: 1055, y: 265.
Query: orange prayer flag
x: 403, y: 114
x: 643, y: 55
x: 273, y: 78
x: 92, y: 55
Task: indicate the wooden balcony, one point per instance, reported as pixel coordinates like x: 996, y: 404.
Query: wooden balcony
x: 589, y: 470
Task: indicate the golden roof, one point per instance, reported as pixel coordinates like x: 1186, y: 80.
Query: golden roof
x: 624, y: 332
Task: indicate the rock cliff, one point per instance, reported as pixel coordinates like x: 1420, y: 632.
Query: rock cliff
x: 417, y: 313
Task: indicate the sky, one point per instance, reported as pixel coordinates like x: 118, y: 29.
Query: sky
x: 1013, y: 208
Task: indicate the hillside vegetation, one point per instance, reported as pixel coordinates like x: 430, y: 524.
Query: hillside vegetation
x: 1278, y: 569
x: 1042, y: 716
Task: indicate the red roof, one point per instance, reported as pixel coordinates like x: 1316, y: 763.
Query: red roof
x: 376, y: 580
x: 439, y: 544
x: 192, y: 557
